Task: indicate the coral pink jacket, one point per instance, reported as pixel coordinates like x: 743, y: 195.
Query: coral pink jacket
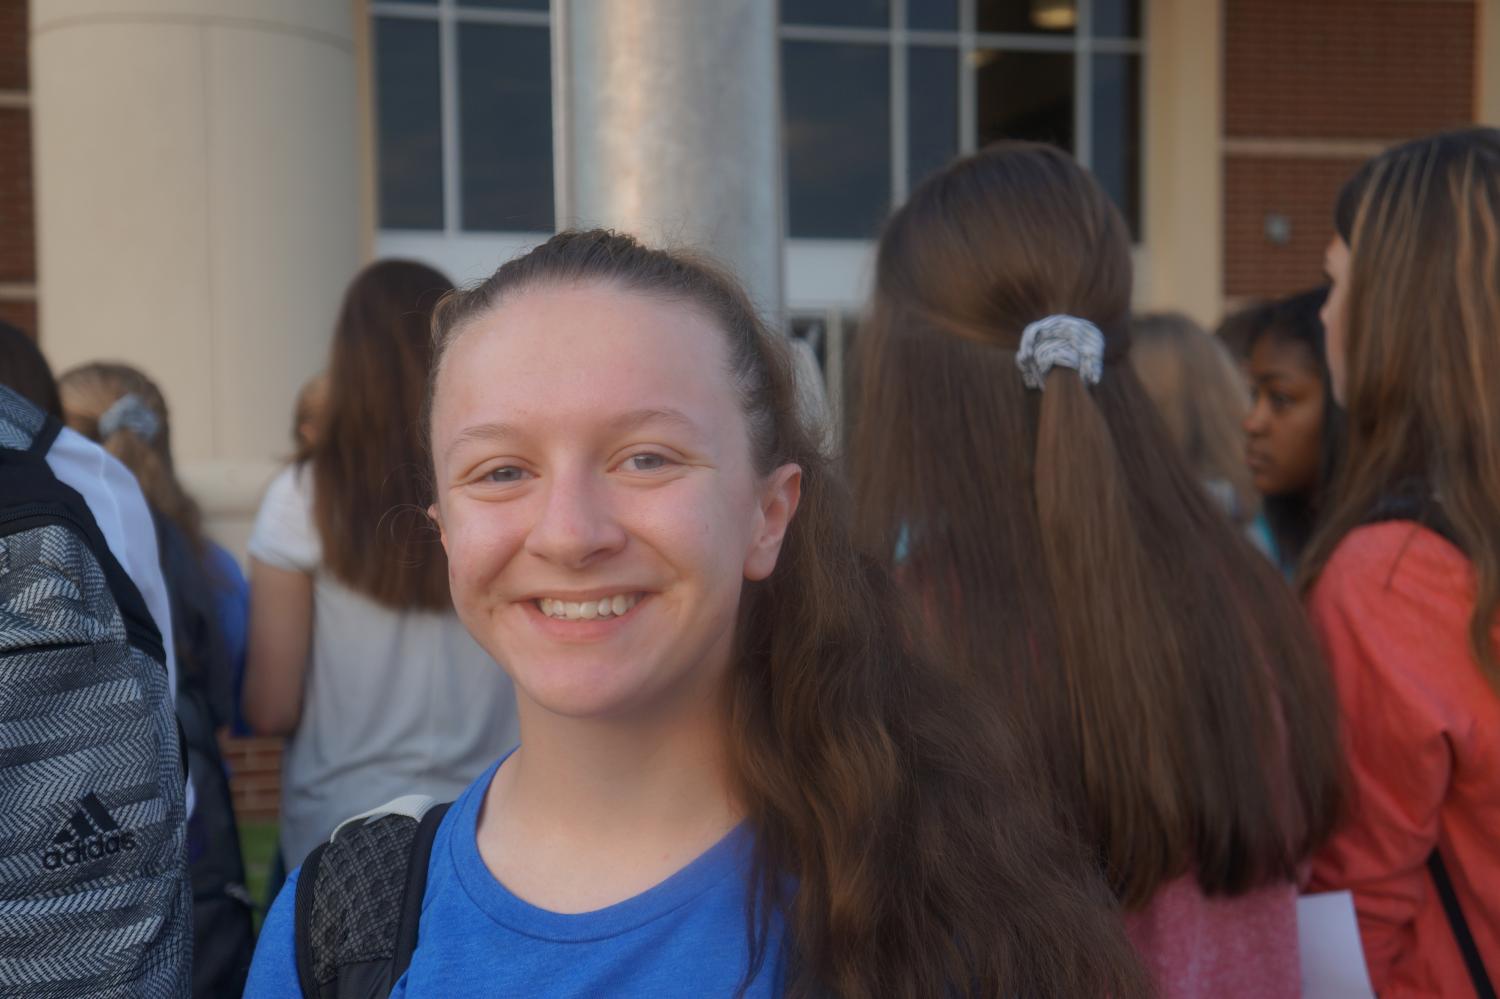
x: 1422, y: 733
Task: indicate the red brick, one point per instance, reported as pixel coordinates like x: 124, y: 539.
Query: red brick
x: 13, y: 42
x: 17, y: 237
x: 1303, y: 190
x: 20, y: 313
x: 1355, y: 69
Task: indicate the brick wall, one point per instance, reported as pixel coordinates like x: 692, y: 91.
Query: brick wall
x: 1311, y: 90
x: 17, y: 236
x: 17, y: 221
x: 255, y: 777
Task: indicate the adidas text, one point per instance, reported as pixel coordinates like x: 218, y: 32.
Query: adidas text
x: 89, y: 849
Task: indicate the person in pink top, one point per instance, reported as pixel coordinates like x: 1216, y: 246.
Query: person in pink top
x: 1404, y: 579
x: 1067, y: 557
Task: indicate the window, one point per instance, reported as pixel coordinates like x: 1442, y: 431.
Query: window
x: 463, y: 99
x: 879, y: 93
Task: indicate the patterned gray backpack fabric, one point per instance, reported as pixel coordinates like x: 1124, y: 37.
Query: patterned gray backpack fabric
x: 94, y: 894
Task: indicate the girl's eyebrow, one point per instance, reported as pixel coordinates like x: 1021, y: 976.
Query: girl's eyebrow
x: 637, y: 418
x: 496, y: 432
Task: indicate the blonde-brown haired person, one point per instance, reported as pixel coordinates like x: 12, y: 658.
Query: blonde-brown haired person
x: 1200, y: 394
x: 1404, y: 576
x: 1068, y: 558
x: 125, y: 412
x: 355, y: 652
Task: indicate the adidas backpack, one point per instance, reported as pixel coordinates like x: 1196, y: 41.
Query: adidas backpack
x: 94, y: 895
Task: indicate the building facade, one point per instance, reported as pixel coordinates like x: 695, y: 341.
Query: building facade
x: 188, y: 183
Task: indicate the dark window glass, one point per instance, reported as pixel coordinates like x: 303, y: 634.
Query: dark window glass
x: 408, y: 112
x: 843, y: 13
x: 1117, y: 18
x: 1117, y: 132
x: 541, y: 5
x: 1024, y: 95
x: 838, y: 137
x: 932, y: 110
x: 1027, y: 17
x: 932, y: 15
x: 505, y: 110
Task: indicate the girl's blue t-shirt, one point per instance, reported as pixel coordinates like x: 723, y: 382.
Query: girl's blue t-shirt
x: 685, y: 937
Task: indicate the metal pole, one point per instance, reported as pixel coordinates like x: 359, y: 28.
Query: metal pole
x: 667, y: 125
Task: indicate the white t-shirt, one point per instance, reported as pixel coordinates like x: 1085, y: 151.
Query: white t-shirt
x: 395, y: 702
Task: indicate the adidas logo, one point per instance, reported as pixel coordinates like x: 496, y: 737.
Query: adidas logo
x: 90, y: 834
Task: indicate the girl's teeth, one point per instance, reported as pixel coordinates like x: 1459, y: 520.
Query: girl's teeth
x: 587, y: 610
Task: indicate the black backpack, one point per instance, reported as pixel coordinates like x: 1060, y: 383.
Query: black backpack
x: 1415, y: 503
x: 94, y: 894
x: 223, y: 928
x: 359, y: 900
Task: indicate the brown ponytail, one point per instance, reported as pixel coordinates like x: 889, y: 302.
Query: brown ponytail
x: 88, y: 392
x: 1069, y: 561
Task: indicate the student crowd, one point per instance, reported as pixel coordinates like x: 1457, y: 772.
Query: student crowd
x: 1066, y: 675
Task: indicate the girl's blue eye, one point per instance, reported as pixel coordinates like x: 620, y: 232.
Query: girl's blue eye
x: 645, y: 462
x: 505, y: 473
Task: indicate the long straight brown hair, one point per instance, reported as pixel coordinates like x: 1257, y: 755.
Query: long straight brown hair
x: 1063, y: 552
x: 1422, y: 354
x: 369, y: 463
x: 895, y: 834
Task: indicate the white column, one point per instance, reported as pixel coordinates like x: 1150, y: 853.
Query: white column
x: 198, y: 210
x: 1183, y: 262
x: 667, y: 124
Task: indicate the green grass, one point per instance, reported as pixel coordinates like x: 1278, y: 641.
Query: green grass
x: 258, y: 847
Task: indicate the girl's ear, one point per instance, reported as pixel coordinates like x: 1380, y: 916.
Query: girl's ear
x: 778, y: 504
x: 437, y: 520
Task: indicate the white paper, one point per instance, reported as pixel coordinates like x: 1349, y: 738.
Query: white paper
x: 1333, y: 962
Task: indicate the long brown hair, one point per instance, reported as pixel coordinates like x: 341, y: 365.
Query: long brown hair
x: 88, y: 392
x: 1065, y: 554
x: 1422, y: 353
x: 905, y: 851
x: 1198, y: 391
x: 368, y: 463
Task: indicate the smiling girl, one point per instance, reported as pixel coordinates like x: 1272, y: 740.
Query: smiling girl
x: 734, y: 775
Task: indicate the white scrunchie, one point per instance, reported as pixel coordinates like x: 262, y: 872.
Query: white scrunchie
x: 1060, y: 340
x: 130, y: 412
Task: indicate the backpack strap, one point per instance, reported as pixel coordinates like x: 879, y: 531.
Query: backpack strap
x: 1466, y: 945
x: 359, y: 901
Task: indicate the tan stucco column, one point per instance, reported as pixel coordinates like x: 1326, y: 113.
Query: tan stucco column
x: 198, y: 210
x: 1487, y: 62
x: 1182, y: 266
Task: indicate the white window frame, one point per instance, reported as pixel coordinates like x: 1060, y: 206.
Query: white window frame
x: 819, y: 274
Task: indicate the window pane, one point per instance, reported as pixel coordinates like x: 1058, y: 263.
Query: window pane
x: 505, y: 108
x: 409, y: 115
x: 541, y: 5
x: 1027, y: 17
x: 932, y: 110
x: 932, y: 15
x: 1117, y: 132
x: 838, y: 138
x: 1117, y: 18
x: 845, y: 13
x: 1024, y: 95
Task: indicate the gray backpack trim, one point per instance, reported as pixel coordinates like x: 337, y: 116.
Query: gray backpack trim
x: 359, y: 901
